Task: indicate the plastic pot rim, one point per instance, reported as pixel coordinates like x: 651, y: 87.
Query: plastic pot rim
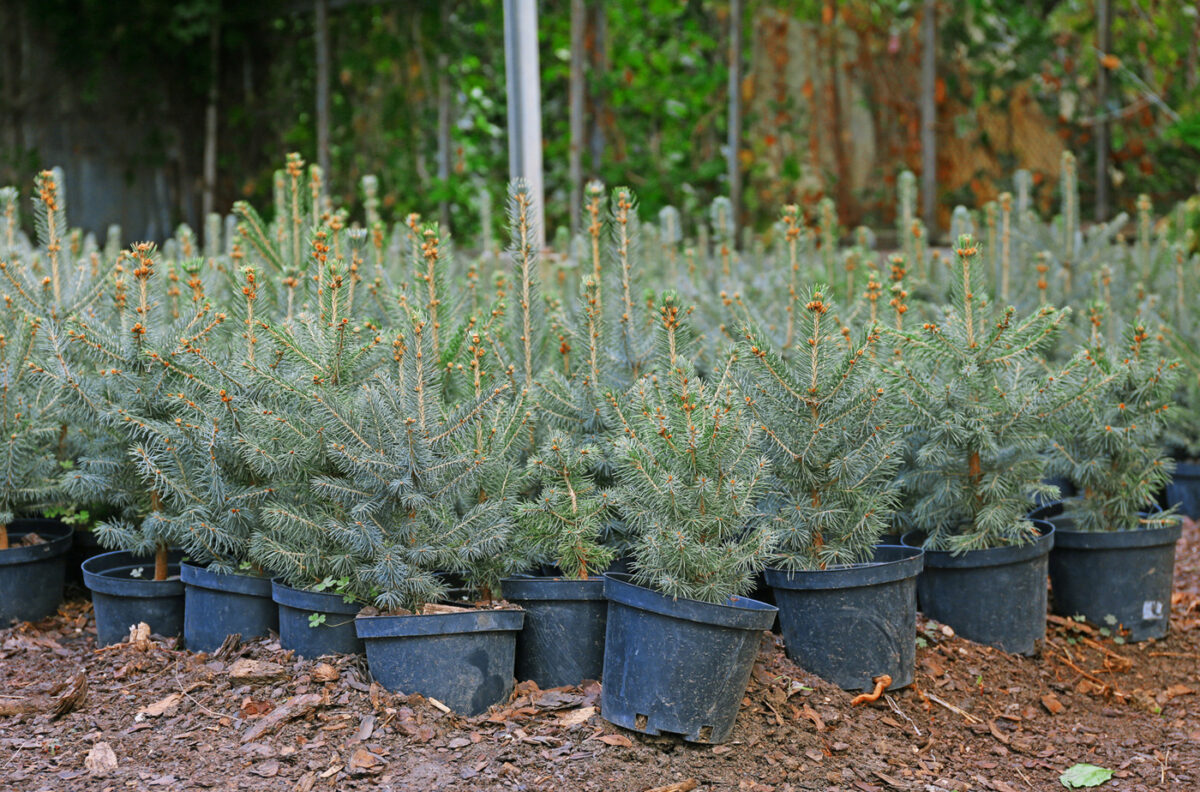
x: 908, y: 563
x: 317, y: 601
x: 423, y: 625
x: 741, y: 613
x: 530, y: 588
x: 230, y: 583
x: 1067, y: 538
x: 989, y: 557
x: 58, y: 538
x: 95, y: 579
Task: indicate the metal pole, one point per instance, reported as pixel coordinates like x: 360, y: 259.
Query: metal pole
x: 523, y: 78
x: 735, y: 113
x: 1104, y: 44
x: 929, y: 116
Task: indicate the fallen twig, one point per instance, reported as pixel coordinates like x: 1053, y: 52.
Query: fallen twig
x: 292, y: 708
x: 686, y: 785
x: 896, y: 709
x: 952, y: 708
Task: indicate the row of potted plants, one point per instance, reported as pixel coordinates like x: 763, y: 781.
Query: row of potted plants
x: 343, y: 438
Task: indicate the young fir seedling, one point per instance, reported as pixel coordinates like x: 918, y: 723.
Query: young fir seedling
x: 30, y: 423
x: 129, y: 372
x: 833, y: 452
x: 1110, y: 446
x: 293, y: 365
x: 563, y: 524
x: 691, y: 478
x: 414, y: 496
x: 975, y: 392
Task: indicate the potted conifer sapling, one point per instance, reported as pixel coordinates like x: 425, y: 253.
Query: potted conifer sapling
x: 562, y: 642
x: 32, y: 550
x: 422, y: 496
x: 681, y: 639
x: 978, y: 396
x: 847, y: 606
x: 1114, y: 549
x: 125, y: 372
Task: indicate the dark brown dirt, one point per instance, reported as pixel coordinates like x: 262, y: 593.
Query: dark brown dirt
x: 977, y: 719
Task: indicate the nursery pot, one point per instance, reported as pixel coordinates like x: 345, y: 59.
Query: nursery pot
x: 995, y: 597
x: 562, y: 642
x: 85, y: 545
x: 218, y: 605
x: 31, y: 578
x: 850, y: 624
x: 308, y: 637
x: 678, y: 666
x: 1184, y: 489
x: 1113, y: 578
x: 464, y: 660
x: 121, y: 600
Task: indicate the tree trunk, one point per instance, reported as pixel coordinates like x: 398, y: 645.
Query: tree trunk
x: 160, y: 552
x: 321, y: 36
x: 835, y: 109
x: 576, y: 89
x: 444, y: 99
x: 3, y: 537
x: 210, y: 115
x: 599, y: 66
x: 1104, y: 44
x: 160, y: 562
x: 734, y: 141
x: 929, y: 116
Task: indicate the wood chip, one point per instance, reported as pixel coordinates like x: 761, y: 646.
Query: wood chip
x: 1052, y: 704
x: 247, y: 670
x: 618, y: 740
x: 159, y: 708
x: 100, y: 761
x: 439, y: 705
x: 324, y: 672
x: 292, y: 708
x: 575, y: 717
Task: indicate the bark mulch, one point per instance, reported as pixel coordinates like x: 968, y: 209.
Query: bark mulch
x: 146, y: 716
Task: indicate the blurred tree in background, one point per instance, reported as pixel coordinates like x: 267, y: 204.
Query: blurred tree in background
x: 830, y: 100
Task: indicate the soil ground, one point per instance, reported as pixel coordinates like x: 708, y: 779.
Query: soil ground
x: 144, y: 716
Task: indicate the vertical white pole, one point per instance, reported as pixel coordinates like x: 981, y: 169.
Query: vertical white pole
x: 734, y: 141
x: 523, y: 77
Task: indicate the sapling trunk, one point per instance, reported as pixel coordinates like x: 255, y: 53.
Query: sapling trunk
x: 3, y: 537
x: 160, y: 562
x: 160, y: 551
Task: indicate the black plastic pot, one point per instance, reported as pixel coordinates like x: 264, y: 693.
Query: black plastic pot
x: 678, y: 666
x: 31, y: 578
x: 1184, y: 489
x: 464, y: 660
x: 121, y: 600
x: 85, y: 545
x: 853, y: 623
x: 995, y: 597
x: 218, y: 605
x: 562, y: 642
x: 335, y: 634
x: 1113, y: 578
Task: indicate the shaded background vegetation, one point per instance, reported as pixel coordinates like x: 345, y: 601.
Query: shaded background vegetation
x: 116, y: 94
